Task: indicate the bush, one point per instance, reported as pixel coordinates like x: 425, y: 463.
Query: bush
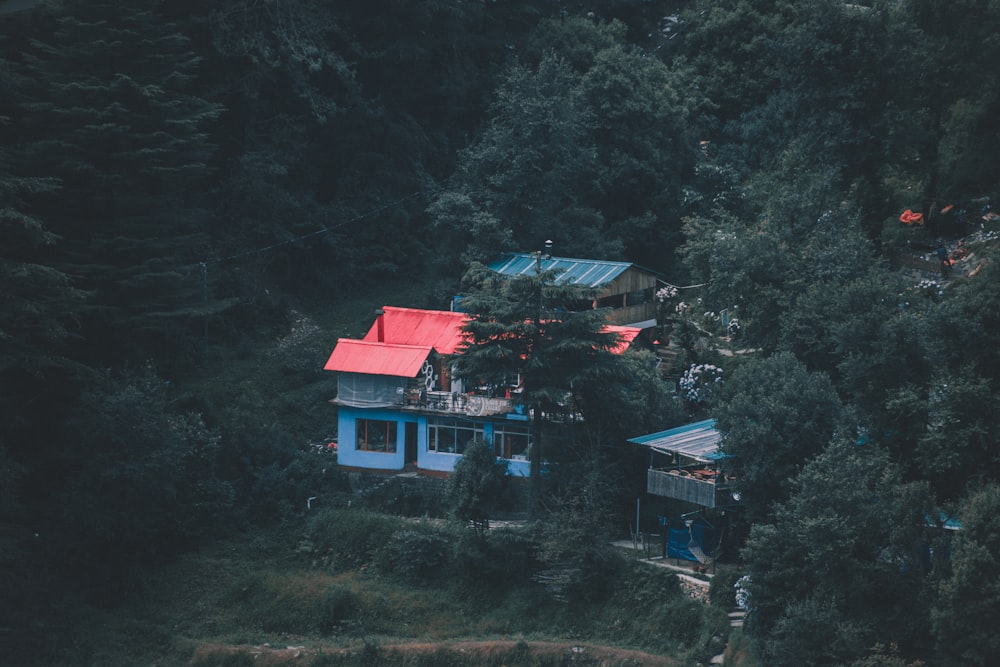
x: 493, y: 561
x: 722, y: 590
x: 338, y: 606
x: 476, y: 484
x: 416, y: 556
x: 349, y: 539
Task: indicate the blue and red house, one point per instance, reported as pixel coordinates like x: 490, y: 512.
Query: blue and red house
x: 401, y: 408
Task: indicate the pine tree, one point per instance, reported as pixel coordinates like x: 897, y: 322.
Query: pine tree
x: 110, y: 116
x: 545, y: 332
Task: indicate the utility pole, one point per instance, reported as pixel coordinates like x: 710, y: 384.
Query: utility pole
x: 535, y: 480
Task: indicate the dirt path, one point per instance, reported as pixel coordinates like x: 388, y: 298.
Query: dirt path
x: 478, y: 652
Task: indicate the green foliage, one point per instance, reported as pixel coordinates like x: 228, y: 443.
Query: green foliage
x: 417, y: 557
x: 776, y: 416
x: 842, y: 554
x: 534, y: 327
x: 345, y: 540
x: 575, y: 552
x: 295, y: 604
x: 491, y: 564
x: 476, y: 485
x: 722, y: 589
x: 283, y: 145
x: 968, y: 600
x: 833, y: 637
x: 112, y: 114
x: 586, y: 143
x: 140, y: 483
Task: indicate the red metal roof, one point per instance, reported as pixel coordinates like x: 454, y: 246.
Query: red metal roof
x: 358, y: 356
x: 439, y: 329
x: 625, y: 336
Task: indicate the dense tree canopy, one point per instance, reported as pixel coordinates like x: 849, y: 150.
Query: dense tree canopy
x: 181, y: 182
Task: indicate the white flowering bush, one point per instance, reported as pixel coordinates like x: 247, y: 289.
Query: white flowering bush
x: 680, y: 308
x: 734, y: 327
x: 743, y: 592
x: 929, y: 288
x: 698, y: 381
x: 666, y: 292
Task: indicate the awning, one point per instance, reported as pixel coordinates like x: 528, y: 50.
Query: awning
x: 699, y: 441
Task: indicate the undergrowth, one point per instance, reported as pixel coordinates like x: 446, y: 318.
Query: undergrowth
x: 340, y: 586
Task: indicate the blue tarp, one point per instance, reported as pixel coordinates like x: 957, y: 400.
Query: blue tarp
x: 679, y: 541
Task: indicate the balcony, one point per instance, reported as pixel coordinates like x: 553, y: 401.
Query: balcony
x: 447, y: 402
x: 698, y: 486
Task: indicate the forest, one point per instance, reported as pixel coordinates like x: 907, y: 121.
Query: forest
x: 198, y: 198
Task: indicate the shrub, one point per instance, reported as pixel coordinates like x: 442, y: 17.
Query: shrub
x: 416, y: 556
x: 349, y: 539
x: 477, y: 482
x: 338, y: 606
x: 722, y: 590
x: 493, y: 561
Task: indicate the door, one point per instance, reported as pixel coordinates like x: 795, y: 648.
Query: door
x: 411, y: 443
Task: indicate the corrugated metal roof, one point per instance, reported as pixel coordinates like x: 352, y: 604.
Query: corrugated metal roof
x: 440, y: 329
x: 584, y: 272
x: 699, y: 441
x: 358, y: 356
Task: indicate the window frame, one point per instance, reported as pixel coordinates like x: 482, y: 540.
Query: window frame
x: 455, y: 427
x: 504, y: 432
x: 366, y: 429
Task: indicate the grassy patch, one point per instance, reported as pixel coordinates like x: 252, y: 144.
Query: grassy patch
x: 322, y: 586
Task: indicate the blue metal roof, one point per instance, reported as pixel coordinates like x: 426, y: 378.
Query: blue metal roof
x: 584, y: 272
x: 699, y: 440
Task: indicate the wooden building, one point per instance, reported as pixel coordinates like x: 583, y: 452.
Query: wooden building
x: 627, y: 289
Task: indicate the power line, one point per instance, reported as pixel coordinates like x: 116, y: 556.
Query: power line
x: 683, y: 286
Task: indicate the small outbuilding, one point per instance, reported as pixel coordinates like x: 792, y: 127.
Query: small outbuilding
x: 685, y: 469
x: 626, y: 288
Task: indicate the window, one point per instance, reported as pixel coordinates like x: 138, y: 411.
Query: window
x: 450, y: 436
x: 375, y: 435
x: 639, y: 297
x: 510, y: 441
x: 612, y: 301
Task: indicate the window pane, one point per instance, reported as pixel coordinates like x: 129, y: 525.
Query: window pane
x: 510, y: 441
x: 375, y: 435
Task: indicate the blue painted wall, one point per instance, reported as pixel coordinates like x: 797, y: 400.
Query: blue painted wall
x: 347, y: 455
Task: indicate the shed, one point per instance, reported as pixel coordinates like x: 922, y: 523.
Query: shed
x: 626, y: 288
x: 684, y: 464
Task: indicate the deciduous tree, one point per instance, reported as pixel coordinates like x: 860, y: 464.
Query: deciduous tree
x: 968, y: 609
x: 775, y: 417
x: 840, y: 562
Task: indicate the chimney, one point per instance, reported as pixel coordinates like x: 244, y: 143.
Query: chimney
x: 380, y: 323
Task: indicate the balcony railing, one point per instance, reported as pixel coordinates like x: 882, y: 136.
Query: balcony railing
x: 700, y: 489
x: 454, y: 403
